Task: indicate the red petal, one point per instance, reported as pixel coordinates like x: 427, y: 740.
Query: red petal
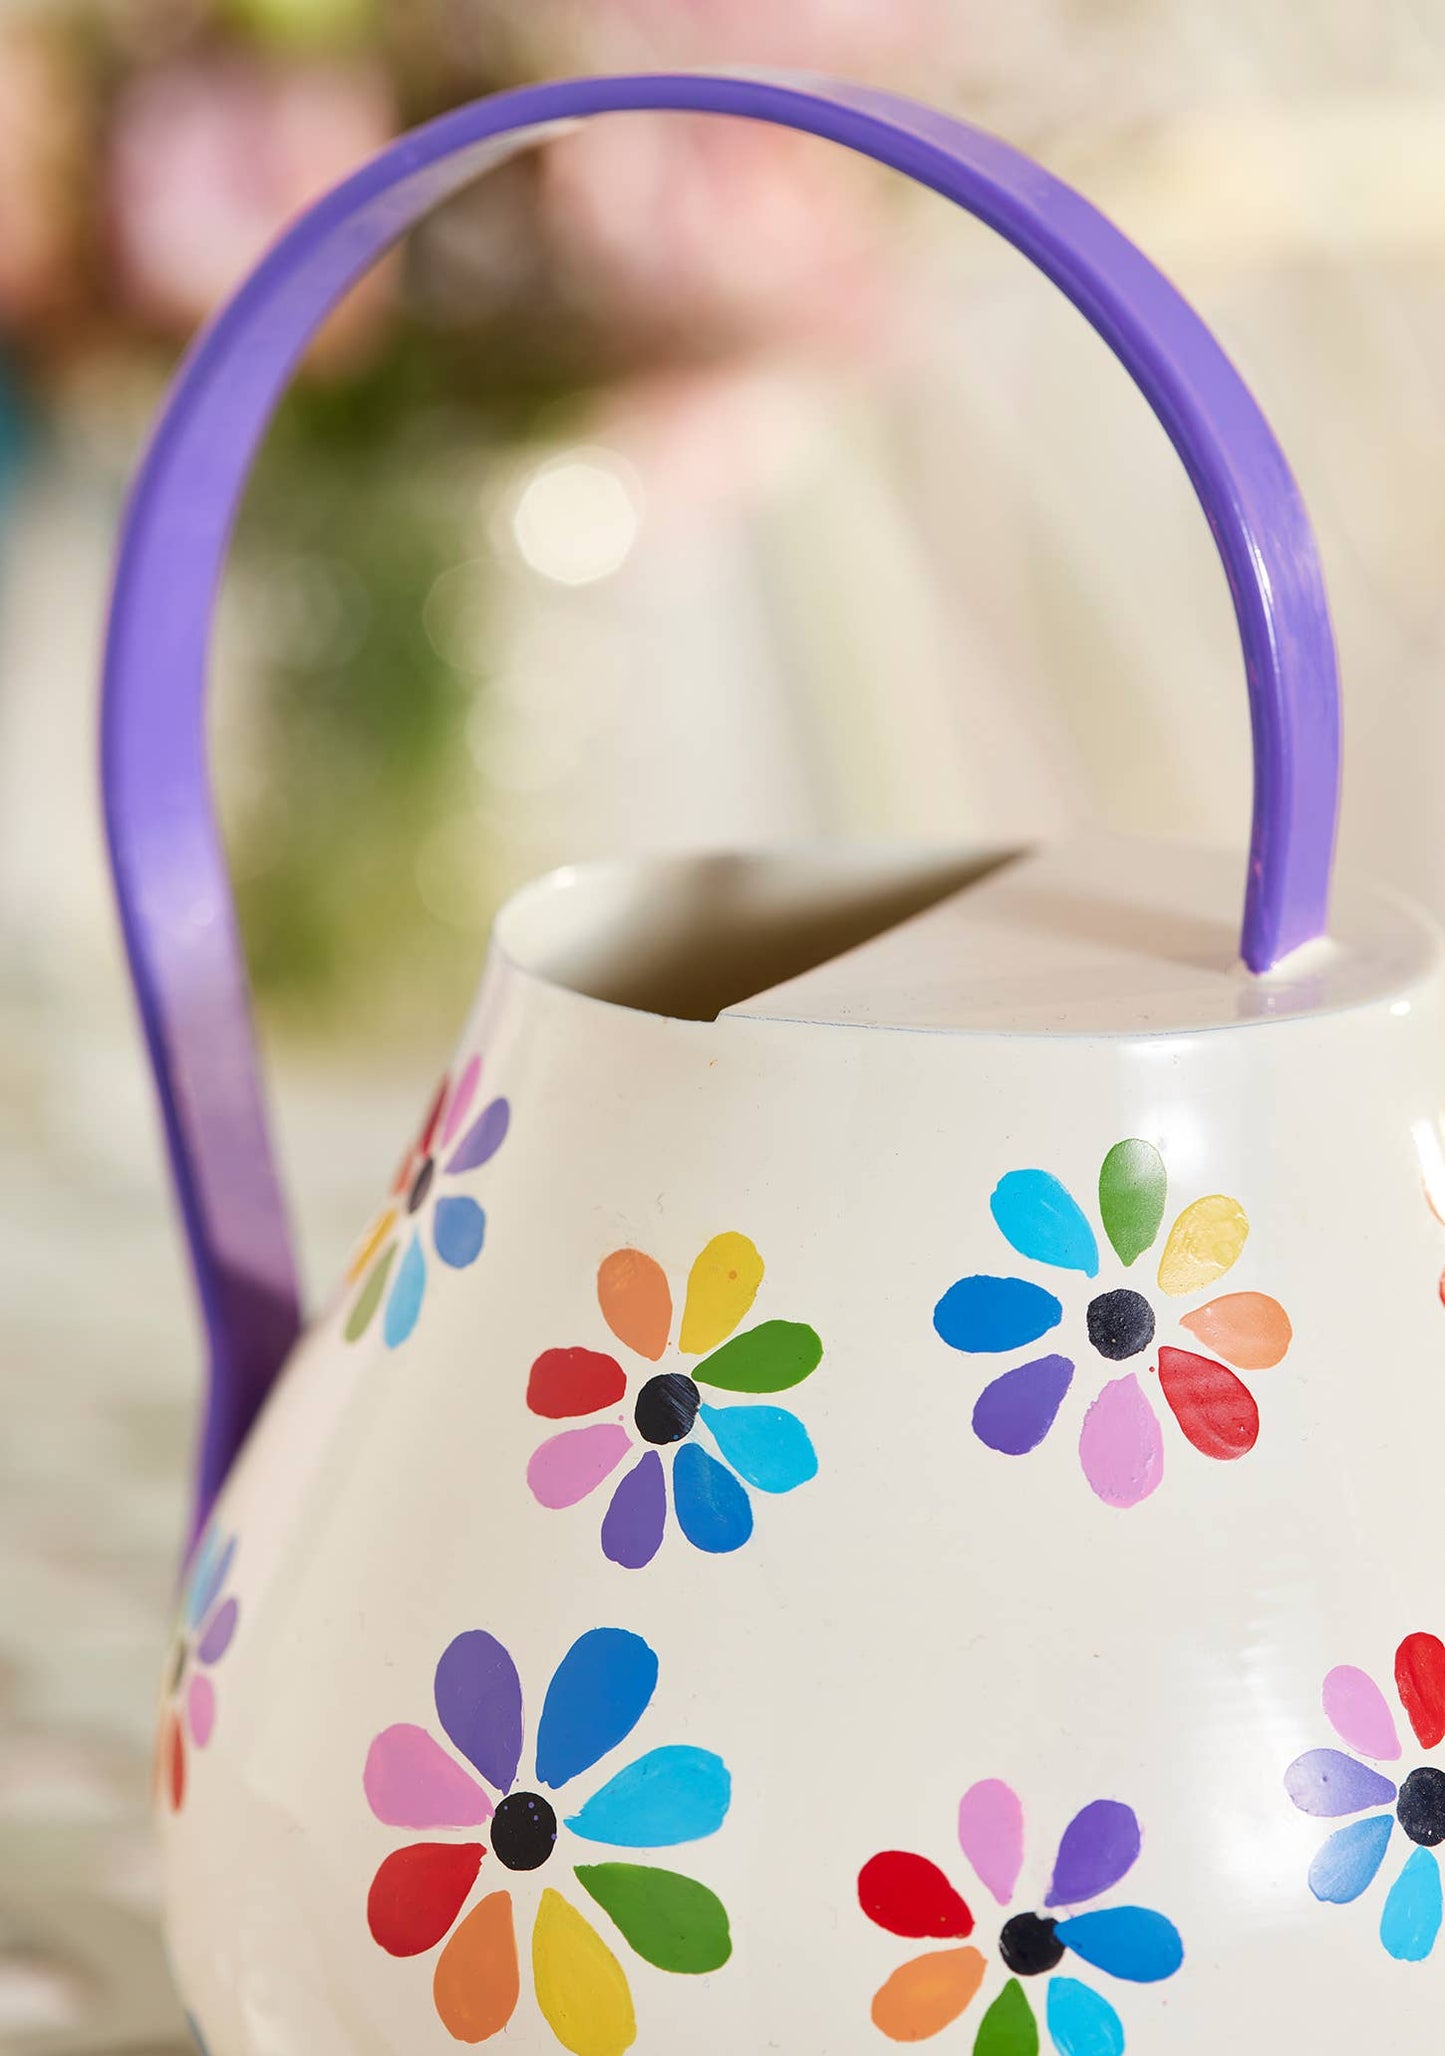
x: 418, y: 1892
x: 566, y: 1382
x: 910, y: 1896
x: 1216, y: 1411
x: 434, y: 1114
x: 1420, y: 1678
x: 175, y: 1765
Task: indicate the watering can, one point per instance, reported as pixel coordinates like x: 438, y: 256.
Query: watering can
x: 870, y: 1479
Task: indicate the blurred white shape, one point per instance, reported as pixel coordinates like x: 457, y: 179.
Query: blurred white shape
x: 577, y: 517
x: 36, y: 1995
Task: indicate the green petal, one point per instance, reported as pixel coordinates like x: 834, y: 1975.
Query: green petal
x: 359, y: 1319
x: 1009, y: 2027
x: 671, y: 1921
x: 765, y: 1359
x: 1131, y: 1197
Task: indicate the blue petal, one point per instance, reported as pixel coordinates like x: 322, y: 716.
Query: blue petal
x: 982, y: 1315
x: 1411, y: 1919
x: 1081, y: 2020
x: 671, y: 1795
x: 459, y: 1228
x: 209, y: 1573
x: 766, y: 1445
x: 713, y: 1510
x: 404, y: 1301
x: 1126, y: 1941
x: 599, y: 1692
x: 1044, y: 1222
x: 1347, y: 1862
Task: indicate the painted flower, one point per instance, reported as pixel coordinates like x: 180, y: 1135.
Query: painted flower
x: 1329, y: 1784
x: 205, y: 1631
x: 420, y: 1893
x: 910, y: 1896
x: 766, y: 1447
x: 456, y: 1223
x: 1121, y: 1444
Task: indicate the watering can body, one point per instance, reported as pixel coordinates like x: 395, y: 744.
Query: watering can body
x: 870, y: 1479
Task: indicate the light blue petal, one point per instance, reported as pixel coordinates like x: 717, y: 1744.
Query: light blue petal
x: 404, y: 1300
x: 1347, y: 1862
x: 713, y: 1510
x: 1127, y: 1941
x: 1044, y: 1221
x: 1411, y: 1919
x: 984, y: 1315
x: 212, y: 1568
x: 196, y: 2036
x: 599, y: 1692
x: 1081, y: 2020
x: 766, y: 1445
x: 671, y: 1795
x: 459, y: 1228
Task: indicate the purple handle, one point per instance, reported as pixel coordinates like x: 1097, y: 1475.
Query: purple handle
x: 170, y: 870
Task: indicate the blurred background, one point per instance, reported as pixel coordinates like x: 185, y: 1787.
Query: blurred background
x: 684, y: 484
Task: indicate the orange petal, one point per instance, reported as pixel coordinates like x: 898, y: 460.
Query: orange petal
x: 636, y: 1304
x: 925, y: 1995
x: 175, y: 1765
x: 477, y: 1980
x: 366, y: 1250
x: 1248, y: 1329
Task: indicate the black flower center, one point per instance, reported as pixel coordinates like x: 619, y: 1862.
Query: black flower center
x: 421, y: 1184
x: 1120, y: 1324
x: 666, y: 1407
x: 524, y: 1831
x: 1028, y: 1944
x: 1421, y: 1806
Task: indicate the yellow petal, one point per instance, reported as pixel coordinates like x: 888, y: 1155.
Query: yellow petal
x: 375, y: 1236
x: 1203, y: 1243
x: 581, y: 1988
x: 721, y: 1287
x: 922, y: 1997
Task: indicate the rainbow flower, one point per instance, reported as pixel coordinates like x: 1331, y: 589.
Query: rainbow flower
x: 205, y: 1631
x: 1330, y: 1784
x: 909, y: 1895
x: 766, y: 1447
x: 458, y: 1225
x: 1121, y: 1446
x: 598, y: 1694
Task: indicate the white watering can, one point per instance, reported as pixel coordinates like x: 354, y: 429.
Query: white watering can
x: 871, y: 1478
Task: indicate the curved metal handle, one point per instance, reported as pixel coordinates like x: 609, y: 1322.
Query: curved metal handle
x: 170, y: 870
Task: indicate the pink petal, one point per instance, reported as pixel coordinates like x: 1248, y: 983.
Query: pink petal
x: 1357, y: 1711
x: 1121, y: 1445
x: 991, y: 1835
x: 572, y: 1464
x: 411, y: 1782
x: 461, y: 1100
x: 200, y: 1708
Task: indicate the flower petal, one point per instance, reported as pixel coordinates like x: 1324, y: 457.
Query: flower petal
x: 713, y: 1510
x: 1098, y: 1847
x: 1355, y: 1708
x: 427, y: 1132
x: 991, y: 1835
x: 925, y: 1996
x: 1420, y: 1680
x: 1132, y: 1185
x: 766, y: 1445
x: 671, y: 1921
x: 209, y: 1573
x: 1327, y: 1783
x: 477, y: 1981
x: 1009, y: 2027
x: 566, y: 1383
x: 1214, y: 1408
x: 370, y: 1243
x: 1411, y: 1919
x: 1348, y: 1861
x: 200, y: 1708
x: 1203, y: 1244
x: 403, y: 1304
x: 411, y: 1782
x: 482, y: 1140
x: 368, y: 1299
x: 581, y: 1987
x: 1081, y: 2021
x: 1248, y: 1329
x: 1121, y: 1446
x: 908, y: 1895
x: 632, y: 1291
x: 721, y: 1287
x: 479, y: 1704
x: 677, y: 1794
x: 216, y: 1635
x: 173, y: 1762
x: 1042, y: 1220
x: 633, y: 1525
x: 599, y: 1692
x: 1015, y: 1412
x: 769, y: 1358
x: 418, y: 1892
x: 566, y: 1467
x: 985, y: 1315
x: 459, y: 1105
x: 459, y: 1228
x: 1126, y: 1941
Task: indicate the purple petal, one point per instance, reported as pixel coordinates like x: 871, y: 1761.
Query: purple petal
x: 1327, y: 1783
x: 216, y: 1638
x: 1016, y: 1411
x: 633, y: 1524
x: 483, y: 1139
x: 1099, y: 1846
x: 479, y: 1703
